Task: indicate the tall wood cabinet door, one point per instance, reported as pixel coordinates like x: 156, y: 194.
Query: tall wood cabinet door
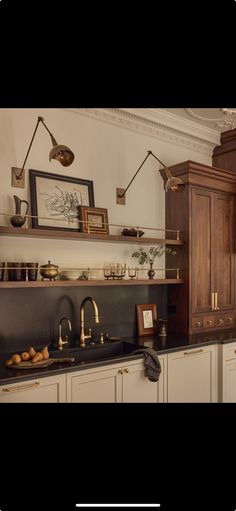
x: 136, y: 387
x: 201, y: 243
x: 223, y: 250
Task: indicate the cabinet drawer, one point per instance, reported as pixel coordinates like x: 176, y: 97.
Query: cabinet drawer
x: 197, y: 323
x: 224, y: 320
x: 209, y: 321
x: 212, y: 321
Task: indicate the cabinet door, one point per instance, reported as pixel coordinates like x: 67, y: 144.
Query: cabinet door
x: 202, y: 277
x: 192, y: 376
x: 42, y: 390
x: 223, y: 250
x: 102, y: 386
x: 136, y: 388
x: 229, y: 382
x: 120, y: 383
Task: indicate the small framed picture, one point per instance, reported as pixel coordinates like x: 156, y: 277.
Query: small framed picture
x: 147, y: 318
x: 93, y: 220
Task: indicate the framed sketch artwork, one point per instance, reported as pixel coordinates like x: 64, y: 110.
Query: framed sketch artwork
x: 147, y: 318
x: 55, y: 200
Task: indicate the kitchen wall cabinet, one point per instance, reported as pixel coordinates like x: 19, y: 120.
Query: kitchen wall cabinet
x: 205, y: 212
x: 117, y: 383
x: 227, y: 373
x: 42, y: 390
x: 193, y: 375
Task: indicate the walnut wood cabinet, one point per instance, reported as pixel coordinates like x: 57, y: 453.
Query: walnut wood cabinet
x: 205, y: 213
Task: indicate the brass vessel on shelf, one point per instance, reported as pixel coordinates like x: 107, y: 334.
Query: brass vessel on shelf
x: 49, y: 271
x: 18, y: 219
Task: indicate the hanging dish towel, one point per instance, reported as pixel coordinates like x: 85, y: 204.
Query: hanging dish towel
x: 151, y: 363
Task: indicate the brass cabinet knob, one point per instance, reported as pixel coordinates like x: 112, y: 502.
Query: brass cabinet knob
x: 126, y: 370
x: 121, y: 371
x: 198, y: 323
x: 220, y: 321
x: 209, y: 322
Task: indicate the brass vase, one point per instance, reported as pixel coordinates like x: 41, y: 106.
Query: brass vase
x: 18, y: 220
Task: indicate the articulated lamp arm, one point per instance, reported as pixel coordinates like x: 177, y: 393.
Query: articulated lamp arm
x: 173, y: 184
x: 58, y: 152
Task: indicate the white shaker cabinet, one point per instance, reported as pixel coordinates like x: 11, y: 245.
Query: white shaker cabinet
x: 117, y: 383
x: 227, y: 373
x: 193, y: 375
x: 40, y: 390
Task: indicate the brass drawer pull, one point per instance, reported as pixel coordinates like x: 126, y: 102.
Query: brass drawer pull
x: 126, y: 370
x: 190, y: 352
x: 197, y: 324
x: 209, y: 322
x: 121, y: 371
x: 21, y: 387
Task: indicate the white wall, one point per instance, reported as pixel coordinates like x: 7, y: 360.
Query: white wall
x: 106, y: 153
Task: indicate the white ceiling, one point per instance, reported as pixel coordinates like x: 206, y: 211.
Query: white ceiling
x: 219, y: 119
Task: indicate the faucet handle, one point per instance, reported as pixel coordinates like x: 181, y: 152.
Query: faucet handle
x: 89, y: 336
x: 101, y: 338
x: 60, y: 342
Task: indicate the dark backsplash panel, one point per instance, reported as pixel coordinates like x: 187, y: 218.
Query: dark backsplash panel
x: 31, y: 316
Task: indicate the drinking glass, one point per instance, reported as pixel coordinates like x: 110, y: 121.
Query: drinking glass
x: 2, y: 270
x: 132, y: 272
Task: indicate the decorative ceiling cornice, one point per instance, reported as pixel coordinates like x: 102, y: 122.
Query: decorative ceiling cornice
x: 159, y: 124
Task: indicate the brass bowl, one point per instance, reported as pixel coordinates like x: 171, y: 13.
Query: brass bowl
x: 49, y: 271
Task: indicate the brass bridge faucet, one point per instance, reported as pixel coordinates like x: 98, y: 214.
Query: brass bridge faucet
x: 83, y: 337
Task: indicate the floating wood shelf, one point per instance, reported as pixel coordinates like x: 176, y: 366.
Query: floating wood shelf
x: 76, y: 283
x: 81, y: 236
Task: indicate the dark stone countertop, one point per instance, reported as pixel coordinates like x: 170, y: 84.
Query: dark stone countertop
x: 162, y: 345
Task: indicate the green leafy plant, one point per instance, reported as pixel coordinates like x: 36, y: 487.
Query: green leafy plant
x: 151, y: 254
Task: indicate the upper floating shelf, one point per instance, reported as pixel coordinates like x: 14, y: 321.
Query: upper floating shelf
x: 75, y: 235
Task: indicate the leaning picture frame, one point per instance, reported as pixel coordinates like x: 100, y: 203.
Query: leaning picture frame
x: 93, y: 220
x: 147, y: 319
x: 55, y: 200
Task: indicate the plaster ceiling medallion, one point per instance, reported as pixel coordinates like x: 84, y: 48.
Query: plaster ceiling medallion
x: 225, y: 120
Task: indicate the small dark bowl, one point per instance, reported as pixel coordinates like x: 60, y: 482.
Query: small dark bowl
x: 132, y: 232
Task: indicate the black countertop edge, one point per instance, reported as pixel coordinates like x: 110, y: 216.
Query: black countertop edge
x: 162, y: 345
x: 8, y: 375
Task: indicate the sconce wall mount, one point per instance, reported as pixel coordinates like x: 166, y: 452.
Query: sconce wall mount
x: 61, y: 153
x: 173, y: 184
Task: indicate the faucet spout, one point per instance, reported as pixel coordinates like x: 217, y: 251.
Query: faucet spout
x: 60, y: 342
x: 82, y: 324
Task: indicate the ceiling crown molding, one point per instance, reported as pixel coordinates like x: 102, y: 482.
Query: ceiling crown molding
x: 157, y: 123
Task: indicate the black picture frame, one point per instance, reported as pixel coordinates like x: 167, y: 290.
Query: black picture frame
x: 55, y: 200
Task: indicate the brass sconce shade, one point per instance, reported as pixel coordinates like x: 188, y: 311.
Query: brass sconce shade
x: 61, y: 153
x: 173, y: 184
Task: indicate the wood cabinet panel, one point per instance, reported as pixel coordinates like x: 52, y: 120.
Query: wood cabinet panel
x: 202, y: 250
x: 206, y: 300
x: 223, y: 235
